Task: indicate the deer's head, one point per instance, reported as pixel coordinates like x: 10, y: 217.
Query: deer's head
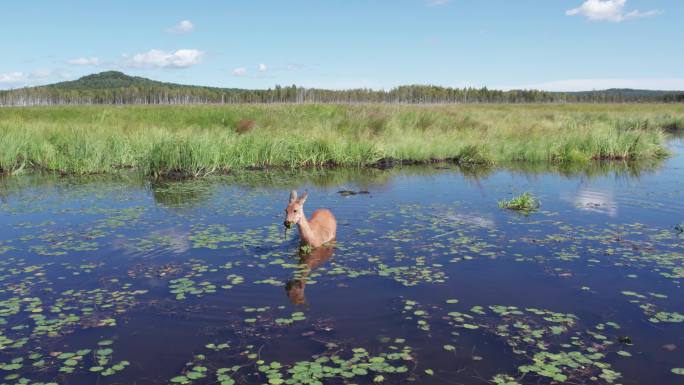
x: 295, y: 209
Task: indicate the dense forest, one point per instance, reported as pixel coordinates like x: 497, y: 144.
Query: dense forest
x: 114, y: 87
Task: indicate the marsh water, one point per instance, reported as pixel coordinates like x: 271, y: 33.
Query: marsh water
x: 123, y: 280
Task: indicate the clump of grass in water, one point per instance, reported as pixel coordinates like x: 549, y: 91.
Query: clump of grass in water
x: 526, y: 203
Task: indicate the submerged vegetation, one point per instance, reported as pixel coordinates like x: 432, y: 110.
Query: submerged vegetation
x: 201, y: 140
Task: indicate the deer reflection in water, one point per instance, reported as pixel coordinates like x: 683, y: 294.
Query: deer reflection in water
x: 308, y: 261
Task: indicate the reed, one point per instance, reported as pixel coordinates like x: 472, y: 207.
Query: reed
x: 201, y: 140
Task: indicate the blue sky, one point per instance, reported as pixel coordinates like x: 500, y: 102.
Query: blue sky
x: 547, y: 44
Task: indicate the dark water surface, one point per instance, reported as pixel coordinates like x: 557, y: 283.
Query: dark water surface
x: 118, y: 280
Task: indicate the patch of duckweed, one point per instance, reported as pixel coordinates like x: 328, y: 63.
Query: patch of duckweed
x: 273, y: 281
x: 104, y: 364
x: 347, y: 365
x: 294, y: 317
x: 218, y: 236
x: 98, y: 361
x: 183, y: 287
x: 69, y: 311
x: 663, y: 316
x: 156, y: 271
x: 504, y: 379
x: 412, y: 310
x: 651, y: 310
x: 413, y: 275
x: 551, y: 342
x: 5, y: 247
x: 194, y: 281
x: 217, y: 347
x: 267, y: 316
x: 358, y: 364
x: 211, y: 236
x: 233, y: 280
x: 194, y: 370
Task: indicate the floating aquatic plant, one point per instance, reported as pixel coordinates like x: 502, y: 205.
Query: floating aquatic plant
x: 413, y: 310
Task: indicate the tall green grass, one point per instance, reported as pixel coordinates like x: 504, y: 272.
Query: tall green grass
x: 200, y: 140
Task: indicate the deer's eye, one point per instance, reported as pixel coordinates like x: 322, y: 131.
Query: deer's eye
x: 295, y: 210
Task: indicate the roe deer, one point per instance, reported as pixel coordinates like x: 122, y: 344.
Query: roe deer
x: 321, y: 228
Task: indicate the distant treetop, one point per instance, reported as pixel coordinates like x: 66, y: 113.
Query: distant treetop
x: 114, y: 87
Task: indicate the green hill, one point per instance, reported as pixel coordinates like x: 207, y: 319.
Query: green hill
x: 105, y: 80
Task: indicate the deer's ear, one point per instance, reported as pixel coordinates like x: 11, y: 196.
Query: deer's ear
x: 302, y: 199
x: 293, y: 196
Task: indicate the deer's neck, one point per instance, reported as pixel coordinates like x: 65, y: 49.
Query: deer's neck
x: 305, y: 230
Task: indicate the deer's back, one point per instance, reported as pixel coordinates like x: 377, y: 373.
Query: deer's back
x: 324, y: 224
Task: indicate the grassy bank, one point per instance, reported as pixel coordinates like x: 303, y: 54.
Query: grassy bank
x: 196, y: 140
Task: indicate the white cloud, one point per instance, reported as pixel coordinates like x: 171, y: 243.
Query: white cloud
x: 263, y: 67
x: 85, y: 61
x: 240, y: 71
x: 43, y: 73
x: 437, y: 3
x: 184, y: 26
x: 182, y: 58
x: 608, y: 10
x: 40, y: 76
x: 665, y: 84
x: 13, y: 77
x: 18, y: 77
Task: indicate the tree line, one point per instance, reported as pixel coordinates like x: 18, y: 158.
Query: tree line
x: 118, y: 88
